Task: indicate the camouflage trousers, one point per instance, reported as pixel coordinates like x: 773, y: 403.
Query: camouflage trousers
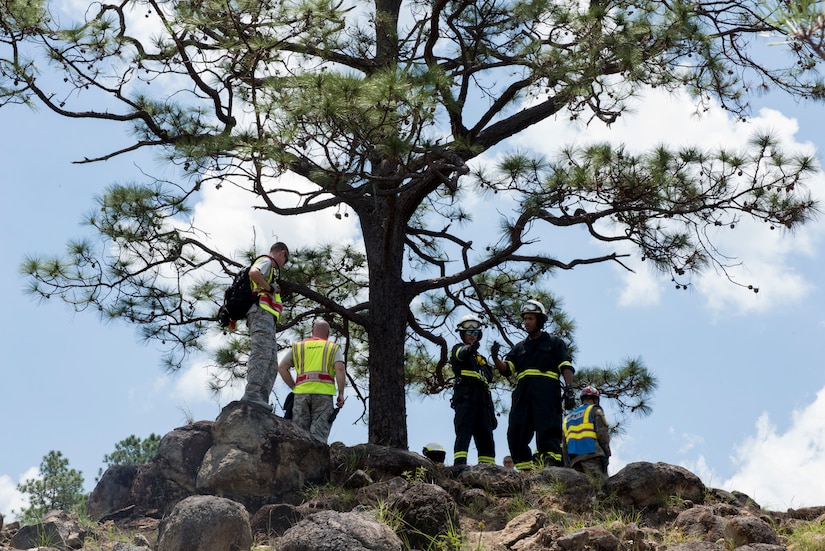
x: 593, y: 468
x: 312, y: 413
x: 262, y: 367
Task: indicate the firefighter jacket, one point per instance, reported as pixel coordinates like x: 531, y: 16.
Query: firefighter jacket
x: 472, y: 387
x: 586, y: 433
x: 314, y: 361
x: 544, y: 356
x: 469, y: 366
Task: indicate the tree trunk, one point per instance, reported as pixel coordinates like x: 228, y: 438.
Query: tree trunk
x: 384, y: 242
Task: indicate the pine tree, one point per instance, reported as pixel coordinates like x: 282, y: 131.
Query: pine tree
x: 57, y: 487
x: 384, y: 111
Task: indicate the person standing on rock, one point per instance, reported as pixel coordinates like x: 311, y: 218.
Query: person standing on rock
x: 262, y: 320
x: 475, y: 416
x: 319, y: 368
x: 587, y: 437
x: 540, y: 363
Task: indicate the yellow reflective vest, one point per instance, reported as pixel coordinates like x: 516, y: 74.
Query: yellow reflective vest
x: 314, y: 361
x: 580, y: 431
x: 270, y: 303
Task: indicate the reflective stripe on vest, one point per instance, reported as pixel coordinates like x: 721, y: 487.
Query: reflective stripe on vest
x: 270, y: 303
x: 580, y: 431
x: 314, y: 361
x: 537, y: 373
x: 472, y: 375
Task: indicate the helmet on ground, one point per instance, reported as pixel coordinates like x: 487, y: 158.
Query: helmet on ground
x: 435, y: 452
x: 590, y: 392
x: 533, y: 306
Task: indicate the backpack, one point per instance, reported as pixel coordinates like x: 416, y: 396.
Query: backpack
x: 237, y: 299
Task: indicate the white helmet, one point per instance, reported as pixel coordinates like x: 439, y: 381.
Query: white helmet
x: 434, y: 452
x: 468, y: 323
x: 533, y: 306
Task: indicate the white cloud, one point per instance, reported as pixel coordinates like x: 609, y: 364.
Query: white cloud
x: 685, y: 441
x: 10, y: 498
x: 229, y: 222
x: 700, y: 468
x: 764, y: 257
x: 781, y: 470
x: 642, y: 287
x: 192, y: 385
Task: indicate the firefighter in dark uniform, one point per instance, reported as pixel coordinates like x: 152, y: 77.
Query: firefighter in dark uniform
x: 542, y: 366
x: 474, y: 413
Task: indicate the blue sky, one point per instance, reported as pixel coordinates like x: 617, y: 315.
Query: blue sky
x: 741, y: 398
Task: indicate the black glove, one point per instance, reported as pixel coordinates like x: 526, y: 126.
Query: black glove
x: 569, y: 398
x: 474, y: 347
x: 495, y: 349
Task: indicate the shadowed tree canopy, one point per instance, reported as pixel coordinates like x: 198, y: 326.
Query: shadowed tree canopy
x: 382, y: 110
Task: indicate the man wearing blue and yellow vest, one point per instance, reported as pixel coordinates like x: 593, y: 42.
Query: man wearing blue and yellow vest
x: 319, y: 367
x: 474, y: 414
x: 262, y: 320
x: 540, y: 363
x: 587, y: 437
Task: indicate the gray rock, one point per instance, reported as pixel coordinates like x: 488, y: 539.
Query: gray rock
x: 595, y: 538
x: 381, y: 491
x: 275, y: 519
x: 427, y: 513
x: 56, y: 529
x: 334, y: 531
x: 258, y: 458
x: 381, y: 462
x: 746, y: 529
x: 491, y: 478
x: 702, y: 522
x: 644, y: 484
x: 206, y: 523
x: 181, y: 452
x: 113, y: 492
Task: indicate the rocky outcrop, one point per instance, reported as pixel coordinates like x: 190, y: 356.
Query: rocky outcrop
x: 258, y: 458
x: 251, y: 476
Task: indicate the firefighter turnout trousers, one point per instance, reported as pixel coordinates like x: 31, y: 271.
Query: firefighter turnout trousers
x: 473, y: 419
x: 536, y: 409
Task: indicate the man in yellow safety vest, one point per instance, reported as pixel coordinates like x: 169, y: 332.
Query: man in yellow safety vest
x: 319, y: 367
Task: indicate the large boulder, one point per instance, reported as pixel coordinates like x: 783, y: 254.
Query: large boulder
x: 258, y: 458
x: 126, y: 491
x: 181, y: 452
x: 334, y: 531
x: 57, y: 529
x: 492, y: 478
x: 428, y: 514
x: 650, y: 485
x: 701, y: 522
x: 746, y: 529
x: 206, y: 523
x: 113, y: 492
x: 381, y: 462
